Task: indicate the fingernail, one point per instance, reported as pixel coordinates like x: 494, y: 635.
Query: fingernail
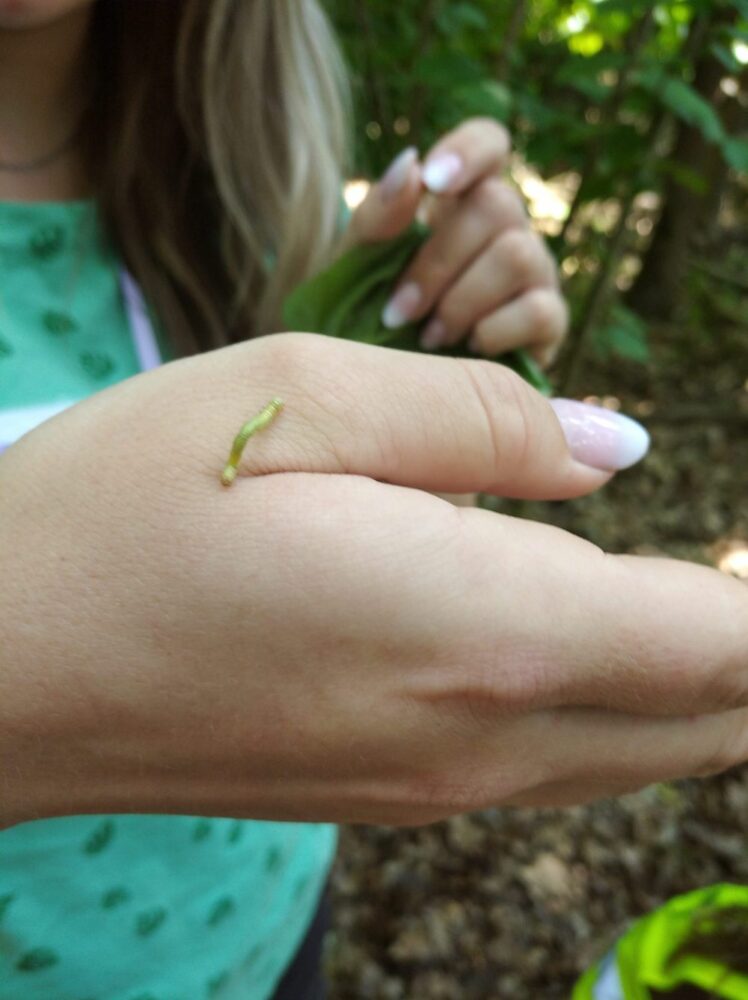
x: 402, y: 306
x: 397, y: 173
x: 434, y: 335
x: 601, y: 438
x: 440, y: 171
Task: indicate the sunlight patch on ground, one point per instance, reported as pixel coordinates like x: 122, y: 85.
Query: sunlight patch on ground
x: 607, y: 402
x: 731, y: 556
x: 548, y: 200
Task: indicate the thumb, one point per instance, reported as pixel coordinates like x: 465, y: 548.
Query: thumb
x: 430, y: 423
x: 391, y: 204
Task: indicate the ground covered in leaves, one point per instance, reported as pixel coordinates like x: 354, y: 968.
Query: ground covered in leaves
x: 512, y: 904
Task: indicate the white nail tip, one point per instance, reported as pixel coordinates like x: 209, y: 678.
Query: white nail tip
x: 402, y: 306
x: 439, y: 173
x: 398, y: 171
x: 601, y: 438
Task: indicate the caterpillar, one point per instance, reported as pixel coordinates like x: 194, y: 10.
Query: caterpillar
x: 265, y: 417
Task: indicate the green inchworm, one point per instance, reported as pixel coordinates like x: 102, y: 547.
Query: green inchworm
x: 265, y: 417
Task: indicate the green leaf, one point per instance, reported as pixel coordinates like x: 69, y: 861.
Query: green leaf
x: 444, y: 69
x: 485, y: 98
x: 347, y: 300
x: 685, y: 102
x: 727, y: 57
x: 741, y: 6
x: 684, y: 175
x: 586, y: 43
x: 454, y: 17
x: 625, y: 334
x: 736, y: 153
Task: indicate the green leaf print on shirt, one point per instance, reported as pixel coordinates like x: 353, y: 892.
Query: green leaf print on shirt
x: 150, y: 920
x: 5, y: 902
x: 115, y: 897
x: 214, y: 985
x: 37, y: 958
x: 96, y: 364
x: 201, y: 829
x: 236, y: 832
x: 220, y: 910
x: 47, y: 242
x: 254, y: 955
x: 100, y: 837
x: 273, y: 860
x: 301, y: 885
x: 6, y: 348
x: 58, y: 323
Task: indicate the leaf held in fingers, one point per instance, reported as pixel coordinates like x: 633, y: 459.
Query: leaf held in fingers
x: 346, y: 300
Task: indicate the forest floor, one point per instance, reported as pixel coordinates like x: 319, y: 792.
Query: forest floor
x: 513, y: 904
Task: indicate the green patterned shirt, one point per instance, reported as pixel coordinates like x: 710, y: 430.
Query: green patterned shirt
x: 125, y: 907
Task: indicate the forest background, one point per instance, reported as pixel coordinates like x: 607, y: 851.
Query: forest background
x: 630, y: 125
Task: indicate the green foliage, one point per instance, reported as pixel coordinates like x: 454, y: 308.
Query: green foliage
x: 584, y: 85
x: 347, y: 301
x: 421, y: 67
x: 625, y: 335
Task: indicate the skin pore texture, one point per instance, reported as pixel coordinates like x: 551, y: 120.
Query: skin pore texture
x: 43, y: 92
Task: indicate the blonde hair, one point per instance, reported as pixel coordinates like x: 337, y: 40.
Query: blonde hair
x: 218, y: 143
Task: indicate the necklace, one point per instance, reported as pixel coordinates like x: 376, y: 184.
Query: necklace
x: 42, y: 161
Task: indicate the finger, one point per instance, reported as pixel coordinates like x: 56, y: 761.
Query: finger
x: 390, y: 205
x: 489, y: 209
x: 514, y: 262
x: 476, y: 148
x: 440, y: 424
x: 649, y: 636
x: 594, y: 754
x: 537, y: 321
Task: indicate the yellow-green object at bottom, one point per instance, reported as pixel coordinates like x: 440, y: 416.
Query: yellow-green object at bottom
x: 642, y: 960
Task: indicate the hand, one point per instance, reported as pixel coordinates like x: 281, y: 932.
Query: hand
x: 324, y: 640
x: 483, y: 271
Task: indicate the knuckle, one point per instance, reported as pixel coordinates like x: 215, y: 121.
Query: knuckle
x: 727, y: 690
x: 452, y: 311
x: 491, y: 126
x: 506, y: 401
x: 498, y: 203
x: 519, y: 251
x: 432, y: 271
x: 294, y: 355
x: 731, y: 749
x: 547, y: 315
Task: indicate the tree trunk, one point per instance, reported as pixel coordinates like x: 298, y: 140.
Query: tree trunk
x: 511, y: 40
x: 686, y: 213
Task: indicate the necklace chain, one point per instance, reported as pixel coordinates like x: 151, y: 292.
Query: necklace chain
x: 42, y: 161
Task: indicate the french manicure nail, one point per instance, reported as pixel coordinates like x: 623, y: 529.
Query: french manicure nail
x: 434, y: 335
x: 601, y: 438
x: 402, y: 306
x: 440, y: 171
x: 397, y: 173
